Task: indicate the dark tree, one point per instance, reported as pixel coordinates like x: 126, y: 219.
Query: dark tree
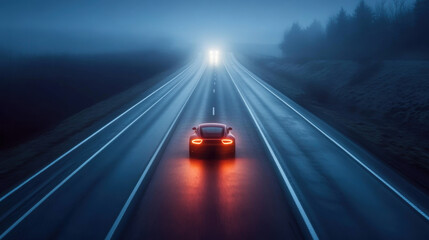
x: 421, y: 13
x: 314, y: 40
x: 366, y: 34
x: 305, y: 43
x: 291, y: 45
x: 338, y: 35
x: 382, y: 31
x: 362, y: 31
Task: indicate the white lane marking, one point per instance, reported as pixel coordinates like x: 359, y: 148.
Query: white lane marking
x: 399, y: 194
x: 82, y: 165
x: 282, y: 173
x: 213, y: 111
x: 86, y: 139
x: 142, y: 177
x: 214, y: 90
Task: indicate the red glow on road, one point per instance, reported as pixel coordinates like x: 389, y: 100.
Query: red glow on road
x: 213, y: 195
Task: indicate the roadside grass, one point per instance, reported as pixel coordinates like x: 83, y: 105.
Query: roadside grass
x: 383, y: 106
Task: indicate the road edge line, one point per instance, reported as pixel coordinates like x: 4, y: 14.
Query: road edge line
x: 28, y: 212
x: 298, y: 204
x: 5, y: 196
x: 118, y: 219
x: 373, y: 173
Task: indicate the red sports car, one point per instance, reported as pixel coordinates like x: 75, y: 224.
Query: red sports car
x: 211, y: 139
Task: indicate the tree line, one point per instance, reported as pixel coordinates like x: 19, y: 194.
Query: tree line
x: 385, y: 31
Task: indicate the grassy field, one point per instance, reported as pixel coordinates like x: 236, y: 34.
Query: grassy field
x: 381, y: 105
x: 38, y: 92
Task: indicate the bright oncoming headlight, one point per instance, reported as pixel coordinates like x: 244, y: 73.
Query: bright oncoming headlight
x: 214, y: 57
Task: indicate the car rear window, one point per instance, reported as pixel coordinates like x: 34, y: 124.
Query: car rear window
x: 212, y: 132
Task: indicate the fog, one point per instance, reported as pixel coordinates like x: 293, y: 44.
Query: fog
x: 80, y: 26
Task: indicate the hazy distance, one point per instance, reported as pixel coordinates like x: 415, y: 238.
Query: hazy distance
x: 49, y: 26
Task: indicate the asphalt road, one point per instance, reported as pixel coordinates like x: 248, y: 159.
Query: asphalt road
x: 293, y: 176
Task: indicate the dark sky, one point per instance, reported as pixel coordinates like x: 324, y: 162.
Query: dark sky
x: 89, y: 25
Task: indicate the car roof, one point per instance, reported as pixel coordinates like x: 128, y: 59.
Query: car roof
x: 212, y: 125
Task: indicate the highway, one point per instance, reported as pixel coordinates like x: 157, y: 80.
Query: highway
x: 294, y: 177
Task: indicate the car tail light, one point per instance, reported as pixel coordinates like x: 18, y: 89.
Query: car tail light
x: 227, y: 141
x: 197, y: 141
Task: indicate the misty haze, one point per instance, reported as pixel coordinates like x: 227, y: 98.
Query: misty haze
x: 277, y: 119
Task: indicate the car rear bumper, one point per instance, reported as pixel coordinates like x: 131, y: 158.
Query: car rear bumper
x: 212, y: 149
